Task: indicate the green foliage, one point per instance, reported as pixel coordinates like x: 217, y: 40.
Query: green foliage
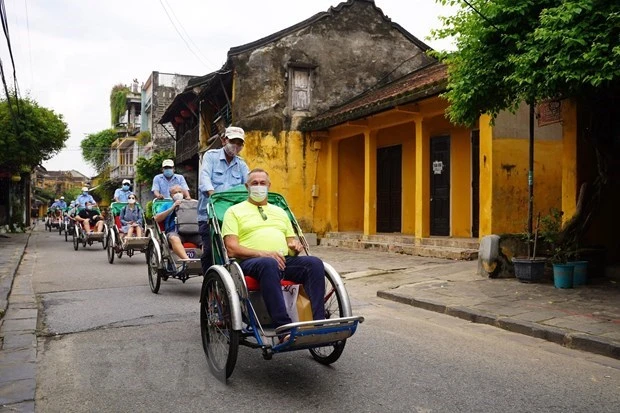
x: 146, y: 169
x: 105, y: 190
x: 148, y: 210
x: 118, y: 102
x: 71, y: 194
x: 96, y: 148
x: 528, y: 51
x: 144, y: 137
x: 41, y: 134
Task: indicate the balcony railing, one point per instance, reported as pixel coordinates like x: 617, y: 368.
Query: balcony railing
x: 187, y: 145
x: 122, y: 172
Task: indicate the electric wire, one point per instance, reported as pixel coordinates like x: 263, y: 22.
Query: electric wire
x: 185, y: 32
x: 180, y: 35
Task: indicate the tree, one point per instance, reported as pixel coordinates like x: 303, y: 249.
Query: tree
x: 146, y: 169
x: 513, y: 51
x: 96, y: 148
x: 40, y: 134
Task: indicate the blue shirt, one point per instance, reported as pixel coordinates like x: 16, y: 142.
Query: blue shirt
x: 163, y: 184
x: 169, y: 224
x: 62, y: 204
x: 82, y: 199
x: 216, y: 174
x: 121, y: 195
x: 128, y: 215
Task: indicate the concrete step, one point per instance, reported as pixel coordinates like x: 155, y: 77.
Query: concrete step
x: 452, y: 253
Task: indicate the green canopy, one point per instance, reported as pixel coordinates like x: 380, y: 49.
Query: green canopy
x: 116, y: 207
x: 221, y: 201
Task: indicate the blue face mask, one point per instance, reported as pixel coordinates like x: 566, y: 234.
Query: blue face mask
x: 168, y: 173
x: 85, y: 193
x: 125, y: 187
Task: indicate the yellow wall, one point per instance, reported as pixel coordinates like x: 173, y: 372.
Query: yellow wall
x: 351, y: 184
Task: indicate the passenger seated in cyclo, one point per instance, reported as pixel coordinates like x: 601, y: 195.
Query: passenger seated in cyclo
x: 131, y: 218
x: 174, y: 233
x: 90, y: 218
x: 257, y: 233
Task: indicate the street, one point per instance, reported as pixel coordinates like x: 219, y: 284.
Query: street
x: 107, y: 344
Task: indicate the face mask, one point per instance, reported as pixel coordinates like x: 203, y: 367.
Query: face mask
x: 177, y: 196
x: 85, y: 193
x: 89, y: 207
x: 231, y: 149
x: 168, y: 173
x: 125, y: 187
x: 131, y: 201
x: 258, y: 193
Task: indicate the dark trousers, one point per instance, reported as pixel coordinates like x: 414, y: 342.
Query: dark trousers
x: 205, y: 234
x: 305, y: 270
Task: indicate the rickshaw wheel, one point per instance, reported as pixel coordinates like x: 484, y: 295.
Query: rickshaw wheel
x: 154, y: 277
x: 66, y: 234
x: 333, y: 308
x: 76, y: 242
x: 110, y: 250
x: 219, y: 341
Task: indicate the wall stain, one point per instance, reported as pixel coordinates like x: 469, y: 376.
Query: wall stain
x: 508, y: 168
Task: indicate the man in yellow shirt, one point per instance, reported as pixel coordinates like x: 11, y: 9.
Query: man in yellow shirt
x: 261, y: 236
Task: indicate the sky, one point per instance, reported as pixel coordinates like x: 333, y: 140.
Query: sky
x: 70, y: 53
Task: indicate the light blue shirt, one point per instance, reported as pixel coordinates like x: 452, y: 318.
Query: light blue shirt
x: 82, y: 199
x: 216, y: 174
x: 122, y: 196
x: 62, y: 204
x: 163, y: 184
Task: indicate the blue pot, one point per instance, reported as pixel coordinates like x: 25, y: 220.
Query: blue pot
x: 580, y: 272
x: 563, y: 275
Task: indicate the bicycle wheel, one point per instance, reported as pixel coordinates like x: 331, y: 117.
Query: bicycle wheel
x: 110, y: 249
x: 154, y: 277
x: 76, y: 241
x: 219, y: 341
x: 333, y: 308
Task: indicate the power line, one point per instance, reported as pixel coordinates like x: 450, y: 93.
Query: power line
x: 29, y: 44
x: 180, y: 35
x: 186, y: 34
x: 5, y: 28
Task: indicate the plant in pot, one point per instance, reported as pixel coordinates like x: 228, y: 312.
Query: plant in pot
x: 532, y: 268
x: 561, y: 252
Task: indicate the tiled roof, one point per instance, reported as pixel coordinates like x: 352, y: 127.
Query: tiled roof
x: 425, y: 82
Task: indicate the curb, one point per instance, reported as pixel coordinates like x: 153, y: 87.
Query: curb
x: 6, y: 283
x: 572, y: 340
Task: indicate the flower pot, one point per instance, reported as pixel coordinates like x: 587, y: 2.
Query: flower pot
x: 580, y: 272
x: 529, y: 270
x: 563, y: 275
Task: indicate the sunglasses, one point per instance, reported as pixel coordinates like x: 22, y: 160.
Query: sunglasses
x: 131, y: 198
x: 262, y: 213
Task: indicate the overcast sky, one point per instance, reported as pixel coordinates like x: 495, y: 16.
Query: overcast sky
x: 69, y: 53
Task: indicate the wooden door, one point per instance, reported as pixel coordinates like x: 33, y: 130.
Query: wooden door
x: 389, y: 188
x: 440, y: 186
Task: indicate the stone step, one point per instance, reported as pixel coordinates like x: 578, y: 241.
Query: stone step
x: 405, y: 248
x: 464, y: 243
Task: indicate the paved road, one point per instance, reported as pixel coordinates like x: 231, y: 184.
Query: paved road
x: 106, y: 343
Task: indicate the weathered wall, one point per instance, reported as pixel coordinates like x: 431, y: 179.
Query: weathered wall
x: 351, y: 50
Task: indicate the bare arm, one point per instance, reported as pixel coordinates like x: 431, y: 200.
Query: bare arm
x: 162, y: 215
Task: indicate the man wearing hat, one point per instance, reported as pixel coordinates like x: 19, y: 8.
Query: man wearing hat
x: 221, y: 169
x: 84, y: 197
x: 167, y: 179
x: 122, y: 194
x: 61, y: 203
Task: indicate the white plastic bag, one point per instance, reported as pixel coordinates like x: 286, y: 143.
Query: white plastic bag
x: 290, y: 293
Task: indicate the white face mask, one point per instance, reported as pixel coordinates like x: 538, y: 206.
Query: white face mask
x: 258, y: 193
x: 177, y: 196
x: 131, y: 201
x: 231, y: 149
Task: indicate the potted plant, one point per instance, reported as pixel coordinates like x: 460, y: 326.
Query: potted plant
x: 560, y: 252
x: 532, y: 268
x: 562, y: 270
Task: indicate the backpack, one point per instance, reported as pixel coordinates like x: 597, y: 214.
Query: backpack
x: 187, y: 217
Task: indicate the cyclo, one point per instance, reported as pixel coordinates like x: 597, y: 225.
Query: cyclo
x: 53, y: 218
x: 163, y: 263
x: 66, y: 224
x: 80, y: 236
x: 233, y: 313
x: 116, y: 245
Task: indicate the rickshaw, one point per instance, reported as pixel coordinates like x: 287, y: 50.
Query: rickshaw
x: 80, y: 236
x: 163, y: 263
x: 66, y: 223
x: 53, y: 218
x: 233, y: 313
x: 129, y: 245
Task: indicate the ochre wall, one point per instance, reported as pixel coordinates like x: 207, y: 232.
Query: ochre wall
x: 351, y: 184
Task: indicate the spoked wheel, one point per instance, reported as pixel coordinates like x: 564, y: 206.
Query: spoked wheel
x: 219, y: 341
x: 333, y: 308
x: 119, y: 254
x: 76, y: 241
x: 60, y: 229
x: 154, y: 277
x: 66, y: 234
x: 105, y: 238
x: 110, y: 250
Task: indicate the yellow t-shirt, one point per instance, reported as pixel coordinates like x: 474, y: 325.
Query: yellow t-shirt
x: 246, y: 222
